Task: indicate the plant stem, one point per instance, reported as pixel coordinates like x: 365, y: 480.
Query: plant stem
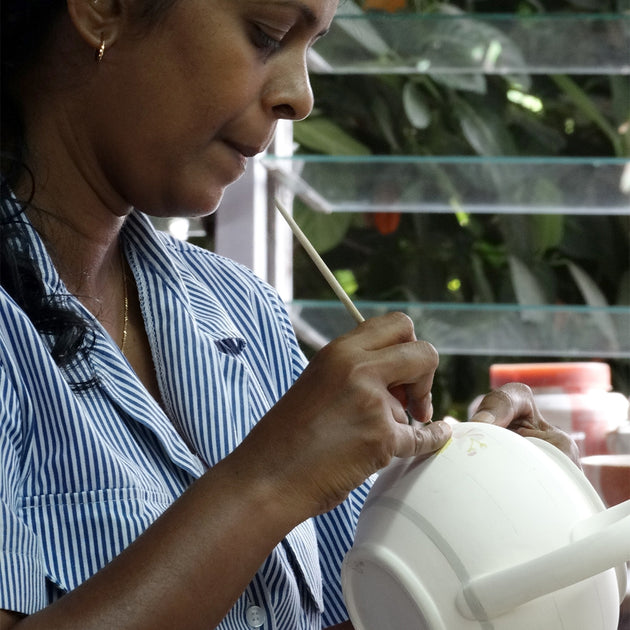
x: 586, y: 106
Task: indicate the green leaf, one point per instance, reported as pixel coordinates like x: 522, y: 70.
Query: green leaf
x: 324, y: 136
x: 482, y: 284
x: 620, y: 90
x: 528, y: 290
x: 594, y: 297
x: 484, y: 129
x: 547, y: 232
x: 537, y: 135
x: 416, y: 106
x: 491, y: 254
x: 468, y: 44
x: 591, y: 293
x: 361, y: 31
x: 526, y: 285
x: 324, y: 231
x: 347, y: 280
x: 467, y: 82
x: 586, y: 105
x: 517, y: 237
x: 382, y: 114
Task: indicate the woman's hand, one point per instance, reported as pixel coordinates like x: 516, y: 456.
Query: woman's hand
x: 345, y: 417
x: 513, y: 406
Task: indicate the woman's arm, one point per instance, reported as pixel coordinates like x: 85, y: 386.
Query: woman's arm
x: 336, y: 426
x: 190, y: 566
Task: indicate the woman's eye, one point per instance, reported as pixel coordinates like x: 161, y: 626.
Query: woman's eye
x: 264, y: 41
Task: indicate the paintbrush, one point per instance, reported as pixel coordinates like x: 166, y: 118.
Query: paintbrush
x: 325, y: 271
x: 320, y: 264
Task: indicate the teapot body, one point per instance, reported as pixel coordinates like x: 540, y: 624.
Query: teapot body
x: 488, y: 501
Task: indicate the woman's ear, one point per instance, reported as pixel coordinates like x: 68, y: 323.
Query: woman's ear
x: 97, y: 21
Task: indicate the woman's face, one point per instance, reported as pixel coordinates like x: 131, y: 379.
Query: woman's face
x: 182, y: 107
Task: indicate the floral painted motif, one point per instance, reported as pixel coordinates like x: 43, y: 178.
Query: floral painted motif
x: 473, y: 441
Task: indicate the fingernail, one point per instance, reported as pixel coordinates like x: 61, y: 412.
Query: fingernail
x: 443, y: 427
x: 483, y: 416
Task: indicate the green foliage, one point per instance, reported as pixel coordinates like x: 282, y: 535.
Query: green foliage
x: 495, y: 258
x: 322, y: 135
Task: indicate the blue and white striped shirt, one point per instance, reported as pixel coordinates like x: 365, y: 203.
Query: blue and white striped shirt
x: 83, y: 473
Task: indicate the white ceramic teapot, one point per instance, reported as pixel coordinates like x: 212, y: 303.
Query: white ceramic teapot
x: 493, y: 532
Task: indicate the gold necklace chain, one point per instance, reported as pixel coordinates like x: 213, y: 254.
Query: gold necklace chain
x: 125, y: 302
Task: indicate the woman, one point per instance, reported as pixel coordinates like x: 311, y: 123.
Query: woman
x: 168, y: 459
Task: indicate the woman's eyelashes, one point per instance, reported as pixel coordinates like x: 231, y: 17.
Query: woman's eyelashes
x: 264, y: 41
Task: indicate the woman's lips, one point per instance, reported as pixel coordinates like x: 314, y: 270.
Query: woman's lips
x: 245, y: 150
x: 241, y: 153
x: 237, y: 156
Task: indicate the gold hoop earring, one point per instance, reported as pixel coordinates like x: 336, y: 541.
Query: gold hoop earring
x: 100, y: 53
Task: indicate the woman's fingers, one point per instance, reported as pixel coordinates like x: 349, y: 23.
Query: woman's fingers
x: 384, y: 331
x: 405, y: 364
x: 421, y: 439
x: 513, y: 406
x: 344, y: 418
x: 510, y: 403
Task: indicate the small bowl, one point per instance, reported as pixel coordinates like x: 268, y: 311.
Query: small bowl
x: 609, y: 475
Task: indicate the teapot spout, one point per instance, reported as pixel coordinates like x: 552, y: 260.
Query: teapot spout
x: 599, y: 543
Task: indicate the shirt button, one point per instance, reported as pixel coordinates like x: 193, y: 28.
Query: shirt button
x: 255, y: 616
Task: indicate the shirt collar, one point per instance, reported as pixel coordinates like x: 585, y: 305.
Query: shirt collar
x: 156, y: 254
x: 162, y: 259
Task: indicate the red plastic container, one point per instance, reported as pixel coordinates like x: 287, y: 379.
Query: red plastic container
x: 576, y: 397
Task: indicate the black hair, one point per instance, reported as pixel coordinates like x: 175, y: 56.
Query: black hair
x: 65, y: 331
x: 26, y: 27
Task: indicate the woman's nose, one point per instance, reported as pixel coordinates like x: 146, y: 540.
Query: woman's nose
x: 291, y: 96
